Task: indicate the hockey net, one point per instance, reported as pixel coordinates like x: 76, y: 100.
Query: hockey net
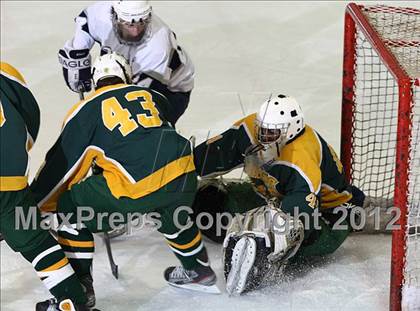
x: 380, y: 146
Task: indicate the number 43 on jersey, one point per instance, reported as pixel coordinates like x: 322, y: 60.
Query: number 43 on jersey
x: 113, y: 114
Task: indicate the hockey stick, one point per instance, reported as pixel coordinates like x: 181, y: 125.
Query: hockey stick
x: 80, y: 90
x: 107, y: 235
x: 192, y: 141
x: 114, y: 267
x: 117, y: 232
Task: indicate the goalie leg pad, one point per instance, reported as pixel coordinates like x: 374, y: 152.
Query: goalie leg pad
x: 254, y: 251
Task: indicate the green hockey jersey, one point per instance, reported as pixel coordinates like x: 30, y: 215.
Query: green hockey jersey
x: 19, y: 125
x: 123, y: 130
x: 306, y: 173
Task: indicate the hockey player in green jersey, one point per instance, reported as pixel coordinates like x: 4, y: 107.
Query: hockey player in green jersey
x: 145, y: 166
x: 294, y: 172
x: 19, y: 125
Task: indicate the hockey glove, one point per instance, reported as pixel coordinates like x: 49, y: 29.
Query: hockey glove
x: 76, y: 69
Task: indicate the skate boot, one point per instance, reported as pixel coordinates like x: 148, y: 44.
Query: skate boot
x: 201, y: 278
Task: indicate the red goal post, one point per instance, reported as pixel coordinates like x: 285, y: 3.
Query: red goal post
x: 380, y: 133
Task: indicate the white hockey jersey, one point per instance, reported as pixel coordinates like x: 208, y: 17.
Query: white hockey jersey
x: 158, y: 56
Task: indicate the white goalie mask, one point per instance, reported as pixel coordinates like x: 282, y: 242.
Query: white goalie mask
x: 279, y: 120
x: 130, y: 20
x: 111, y: 65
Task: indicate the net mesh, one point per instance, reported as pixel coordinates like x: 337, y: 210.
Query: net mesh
x: 375, y: 124
x: 411, y: 290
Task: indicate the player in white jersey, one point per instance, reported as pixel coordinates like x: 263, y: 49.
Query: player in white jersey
x: 131, y: 29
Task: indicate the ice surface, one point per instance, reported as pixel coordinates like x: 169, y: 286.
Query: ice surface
x: 354, y: 278
x: 242, y: 51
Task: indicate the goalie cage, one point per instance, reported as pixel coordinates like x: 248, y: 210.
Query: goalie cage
x: 380, y: 132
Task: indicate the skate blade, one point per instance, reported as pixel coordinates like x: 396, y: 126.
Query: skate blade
x: 212, y: 289
x: 243, y: 258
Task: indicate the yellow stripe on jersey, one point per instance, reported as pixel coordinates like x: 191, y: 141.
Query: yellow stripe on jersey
x: 120, y: 185
x: 57, y: 265
x: 13, y: 183
x: 11, y: 71
x: 117, y: 180
x: 305, y: 155
x: 158, y: 179
x: 83, y: 244
x: 188, y: 245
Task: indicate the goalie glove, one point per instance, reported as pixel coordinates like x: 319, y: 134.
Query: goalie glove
x: 76, y: 69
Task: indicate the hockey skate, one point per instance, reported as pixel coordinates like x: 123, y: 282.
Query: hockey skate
x: 243, y: 258
x: 247, y: 267
x: 202, y: 279
x: 64, y: 305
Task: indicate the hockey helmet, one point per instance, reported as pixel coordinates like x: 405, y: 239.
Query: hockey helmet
x: 130, y: 20
x: 111, y: 65
x: 279, y: 120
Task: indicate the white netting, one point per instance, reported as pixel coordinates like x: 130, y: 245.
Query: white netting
x: 375, y: 125
x: 400, y: 30
x: 411, y: 291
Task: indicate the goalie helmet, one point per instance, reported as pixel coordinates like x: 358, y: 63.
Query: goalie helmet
x: 279, y: 120
x: 130, y: 20
x: 111, y: 65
